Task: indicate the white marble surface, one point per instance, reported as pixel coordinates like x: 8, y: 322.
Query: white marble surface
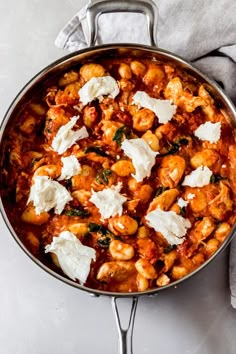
x: 41, y: 315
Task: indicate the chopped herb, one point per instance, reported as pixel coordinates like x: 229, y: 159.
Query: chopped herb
x: 169, y: 248
x: 68, y: 183
x: 98, y: 228
x: 47, y: 130
x: 216, y: 178
x: 183, y: 141
x: 198, y: 218
x: 77, y: 212
x: 97, y: 150
x: 104, y: 241
x: 102, y: 176
x: 174, y: 147
x: 182, y: 211
x: 120, y: 132
x: 160, y: 190
x: 106, y: 235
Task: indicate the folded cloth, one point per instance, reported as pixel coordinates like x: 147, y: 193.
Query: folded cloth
x: 232, y: 272
x: 203, y: 32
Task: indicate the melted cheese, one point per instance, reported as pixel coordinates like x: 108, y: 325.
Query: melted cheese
x: 209, y: 131
x: 142, y: 156
x: 47, y: 194
x: 172, y: 226
x: 73, y: 257
x: 198, y: 178
x: 97, y: 87
x: 109, y: 201
x: 66, y: 137
x: 163, y: 109
x: 70, y: 168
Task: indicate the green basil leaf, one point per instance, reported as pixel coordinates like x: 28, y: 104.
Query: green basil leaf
x: 160, y: 190
x: 169, y: 248
x: 93, y: 227
x: 83, y: 213
x: 102, y: 176
x: 182, y: 211
x: 120, y: 132
x: 216, y: 178
x: 68, y: 183
x: 104, y: 241
x: 183, y: 141
x: 174, y: 147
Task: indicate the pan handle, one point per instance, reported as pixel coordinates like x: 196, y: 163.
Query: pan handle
x: 98, y: 7
x: 125, y: 335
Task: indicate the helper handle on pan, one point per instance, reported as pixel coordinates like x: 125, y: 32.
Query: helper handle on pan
x: 125, y: 335
x: 98, y: 7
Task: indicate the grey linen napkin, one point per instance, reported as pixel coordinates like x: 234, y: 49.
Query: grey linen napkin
x: 201, y: 31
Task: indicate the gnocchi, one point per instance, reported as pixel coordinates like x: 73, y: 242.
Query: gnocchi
x: 144, y: 228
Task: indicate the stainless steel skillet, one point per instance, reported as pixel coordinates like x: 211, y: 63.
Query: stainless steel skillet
x: 114, y: 50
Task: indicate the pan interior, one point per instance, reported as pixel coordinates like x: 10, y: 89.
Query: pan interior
x: 48, y: 75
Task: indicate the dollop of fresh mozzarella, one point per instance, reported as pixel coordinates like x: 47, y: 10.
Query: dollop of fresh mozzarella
x: 66, y: 137
x: 109, y: 201
x: 97, y: 87
x: 70, y: 168
x: 47, y: 194
x: 73, y: 257
x: 209, y: 131
x: 172, y: 226
x: 198, y: 178
x: 163, y: 109
x: 142, y: 156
